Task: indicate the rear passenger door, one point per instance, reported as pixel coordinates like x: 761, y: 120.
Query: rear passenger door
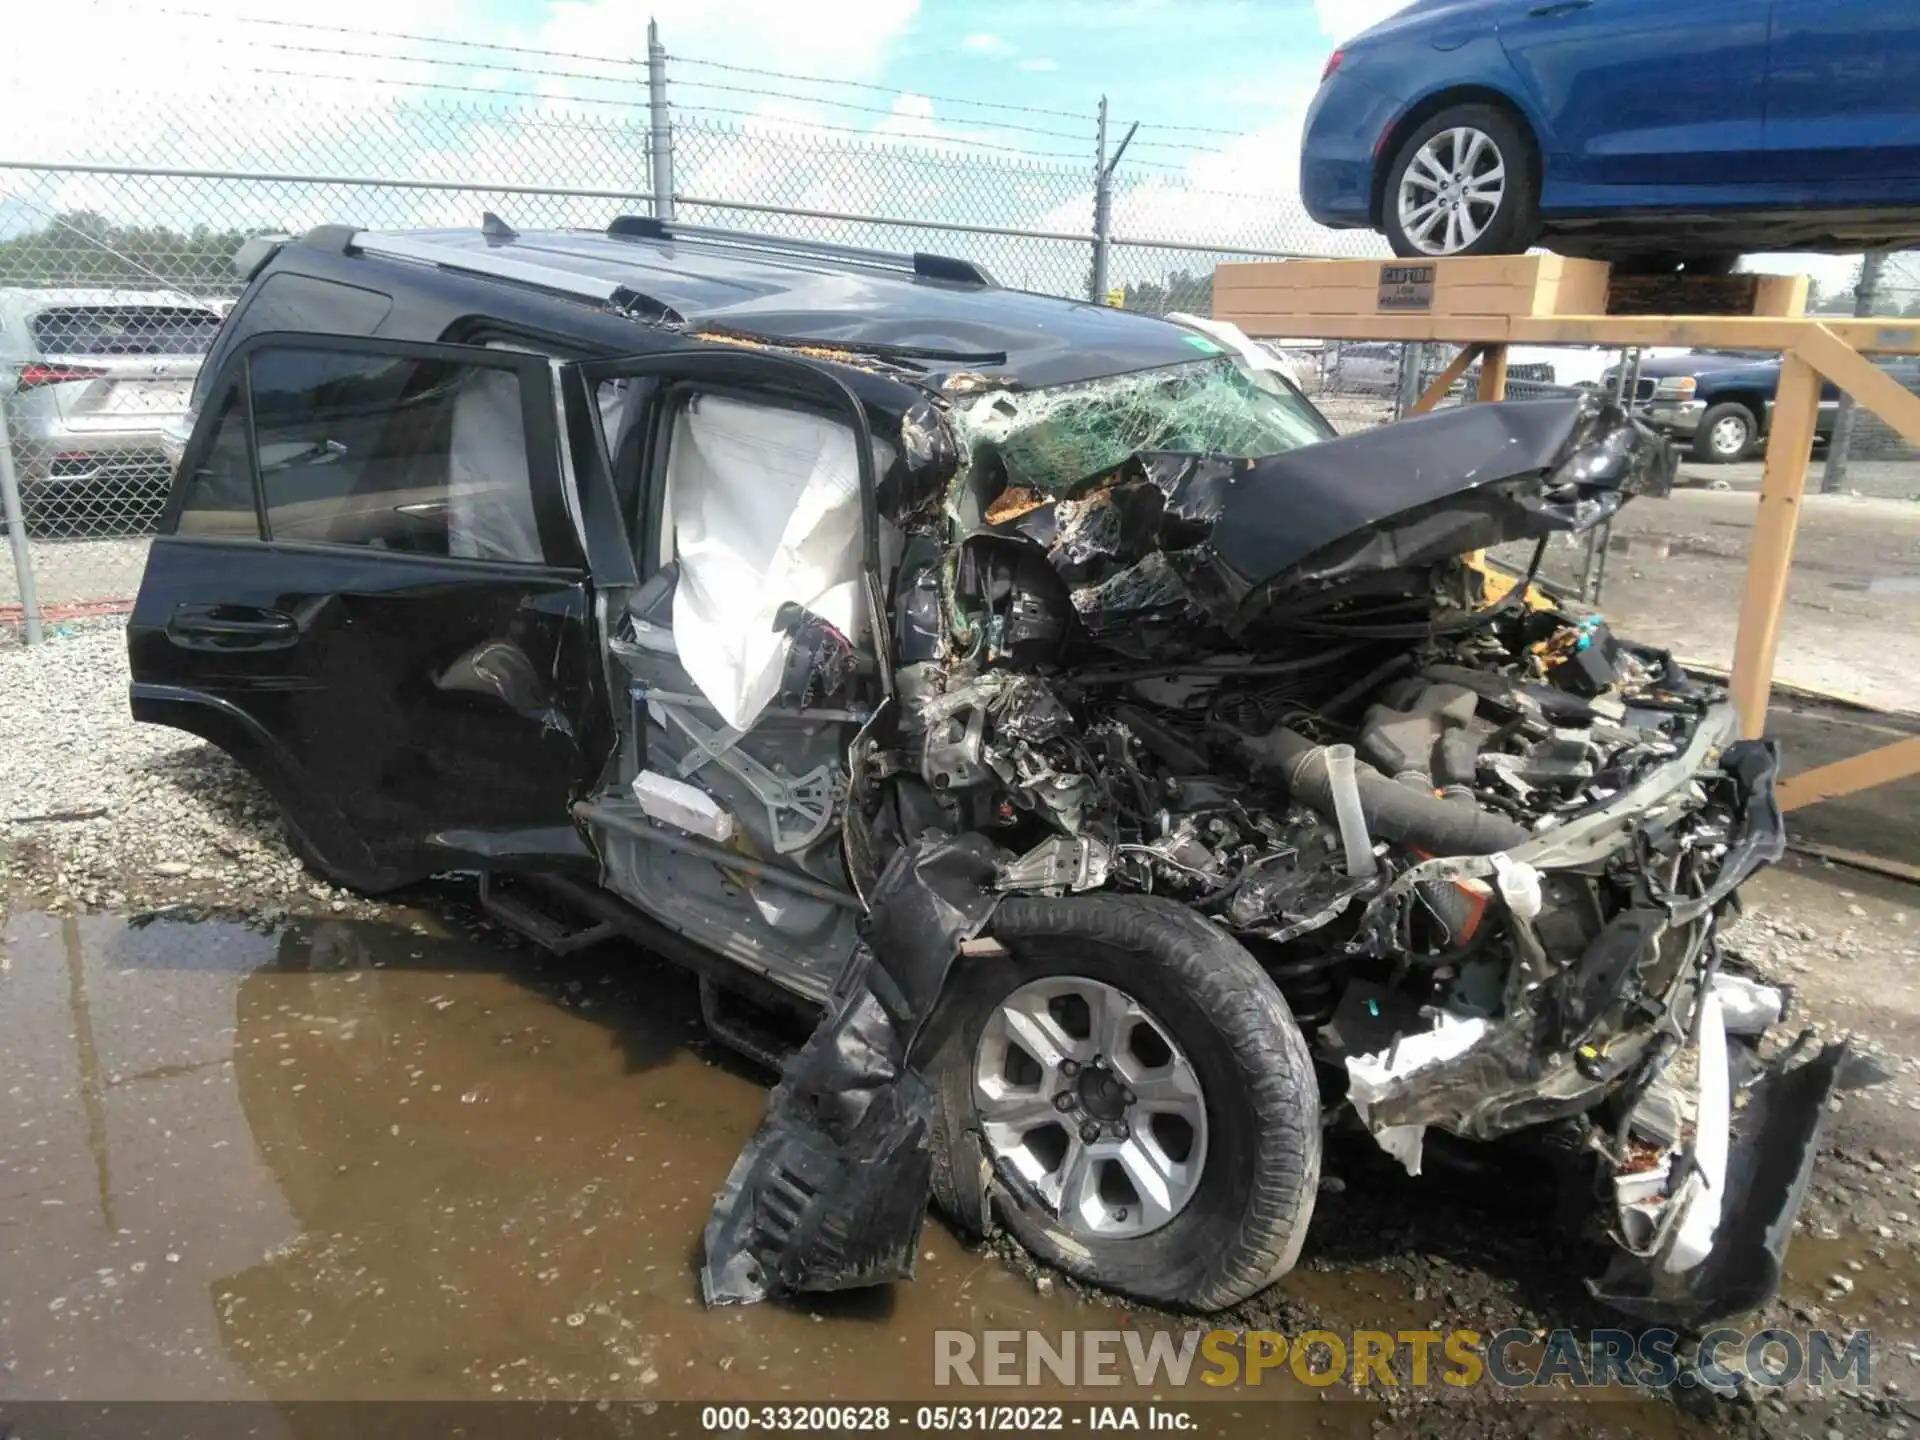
x: 369, y: 587
x: 753, y: 479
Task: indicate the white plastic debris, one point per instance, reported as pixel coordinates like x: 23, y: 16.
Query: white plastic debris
x: 766, y: 510
x: 1370, y: 1077
x: 683, y: 806
x: 1747, y: 1006
x: 1519, y: 886
x: 1700, y: 1198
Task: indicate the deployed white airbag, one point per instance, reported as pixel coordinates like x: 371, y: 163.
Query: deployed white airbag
x: 766, y: 509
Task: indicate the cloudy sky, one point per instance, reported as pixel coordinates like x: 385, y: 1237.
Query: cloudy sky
x: 544, y: 92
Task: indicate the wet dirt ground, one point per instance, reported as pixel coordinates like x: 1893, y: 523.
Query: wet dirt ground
x: 323, y: 1158
x: 1676, y: 572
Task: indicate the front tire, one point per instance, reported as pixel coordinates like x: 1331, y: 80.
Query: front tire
x: 1182, y: 1061
x: 1725, y: 435
x: 1465, y: 183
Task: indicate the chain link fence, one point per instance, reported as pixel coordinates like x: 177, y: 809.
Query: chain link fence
x: 121, y: 209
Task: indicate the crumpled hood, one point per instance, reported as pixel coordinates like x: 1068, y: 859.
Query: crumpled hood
x: 1230, y: 536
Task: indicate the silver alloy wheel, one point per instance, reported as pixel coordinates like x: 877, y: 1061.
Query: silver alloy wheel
x: 1729, y: 436
x: 1451, y: 190
x: 1084, y: 1093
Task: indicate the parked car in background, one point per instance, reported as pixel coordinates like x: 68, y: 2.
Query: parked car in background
x: 1628, y: 130
x: 96, y: 385
x: 1720, y: 402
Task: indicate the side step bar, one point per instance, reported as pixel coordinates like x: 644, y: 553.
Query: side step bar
x: 551, y: 934
x: 748, y: 1013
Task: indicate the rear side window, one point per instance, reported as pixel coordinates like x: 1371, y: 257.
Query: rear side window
x: 218, y: 495
x: 426, y: 457
x: 125, y: 330
x: 287, y: 301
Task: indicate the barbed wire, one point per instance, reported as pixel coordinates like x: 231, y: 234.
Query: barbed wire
x: 785, y: 122
x: 635, y: 65
x: 392, y: 35
x: 679, y: 58
x: 678, y: 84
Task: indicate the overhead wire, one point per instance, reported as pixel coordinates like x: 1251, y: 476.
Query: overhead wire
x: 633, y: 64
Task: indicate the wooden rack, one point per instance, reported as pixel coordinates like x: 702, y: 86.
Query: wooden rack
x: 1486, y: 303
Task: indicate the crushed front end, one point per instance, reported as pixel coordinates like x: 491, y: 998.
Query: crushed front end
x: 1154, y: 638
x: 1175, y: 672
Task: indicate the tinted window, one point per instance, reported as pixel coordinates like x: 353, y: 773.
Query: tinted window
x: 286, y: 301
x: 219, y: 492
x: 425, y: 457
x: 125, y: 330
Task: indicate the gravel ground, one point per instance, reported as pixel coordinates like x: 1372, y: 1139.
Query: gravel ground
x: 98, y: 811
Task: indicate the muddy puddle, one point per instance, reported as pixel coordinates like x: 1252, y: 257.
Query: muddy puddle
x: 340, y: 1160
x: 344, y: 1160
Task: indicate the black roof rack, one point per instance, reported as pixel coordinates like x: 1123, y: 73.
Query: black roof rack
x: 927, y: 266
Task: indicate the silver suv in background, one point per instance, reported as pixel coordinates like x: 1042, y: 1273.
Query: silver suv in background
x: 96, y: 385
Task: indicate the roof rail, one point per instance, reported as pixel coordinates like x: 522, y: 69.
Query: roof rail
x: 919, y: 262
x: 496, y: 262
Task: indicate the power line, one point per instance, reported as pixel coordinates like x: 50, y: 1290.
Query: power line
x: 1087, y: 134
x: 398, y: 35
x: 1189, y: 129
x: 878, y: 89
x: 493, y: 92
x: 282, y: 47
x: 782, y: 121
x: 343, y: 52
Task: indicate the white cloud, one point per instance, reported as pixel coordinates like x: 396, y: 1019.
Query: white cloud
x: 1341, y: 20
x: 985, y: 42
x: 1039, y: 63
x: 850, y: 44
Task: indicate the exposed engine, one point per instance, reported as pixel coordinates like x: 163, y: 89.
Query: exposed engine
x: 1212, y: 782
x: 1478, y: 842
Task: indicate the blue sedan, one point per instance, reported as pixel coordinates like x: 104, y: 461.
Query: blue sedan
x: 1661, y: 131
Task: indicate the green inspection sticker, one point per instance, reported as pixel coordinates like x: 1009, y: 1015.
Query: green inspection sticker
x: 1202, y: 344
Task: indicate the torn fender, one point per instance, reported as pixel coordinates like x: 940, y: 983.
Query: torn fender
x: 831, y: 1191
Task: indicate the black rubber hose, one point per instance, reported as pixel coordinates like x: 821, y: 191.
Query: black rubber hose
x: 1394, y: 811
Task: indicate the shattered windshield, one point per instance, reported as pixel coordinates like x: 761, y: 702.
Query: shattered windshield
x: 1051, y: 439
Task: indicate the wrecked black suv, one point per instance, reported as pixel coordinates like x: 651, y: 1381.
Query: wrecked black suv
x: 1120, y: 776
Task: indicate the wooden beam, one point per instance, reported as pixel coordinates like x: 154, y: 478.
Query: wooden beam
x: 1493, y: 373
x: 1796, y: 411
x: 1877, y: 864
x: 1277, y: 317
x: 1844, y: 777
x: 1446, y: 379
x: 1862, y: 379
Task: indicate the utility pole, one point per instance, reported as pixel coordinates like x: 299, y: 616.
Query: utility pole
x: 1103, y: 169
x: 15, y: 516
x: 1866, y: 298
x: 660, y: 124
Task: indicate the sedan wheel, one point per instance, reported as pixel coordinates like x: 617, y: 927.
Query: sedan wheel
x: 1453, y: 189
x: 1465, y: 182
x: 1082, y: 1092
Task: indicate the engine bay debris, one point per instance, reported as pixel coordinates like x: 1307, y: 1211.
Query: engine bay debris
x: 1145, y: 640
